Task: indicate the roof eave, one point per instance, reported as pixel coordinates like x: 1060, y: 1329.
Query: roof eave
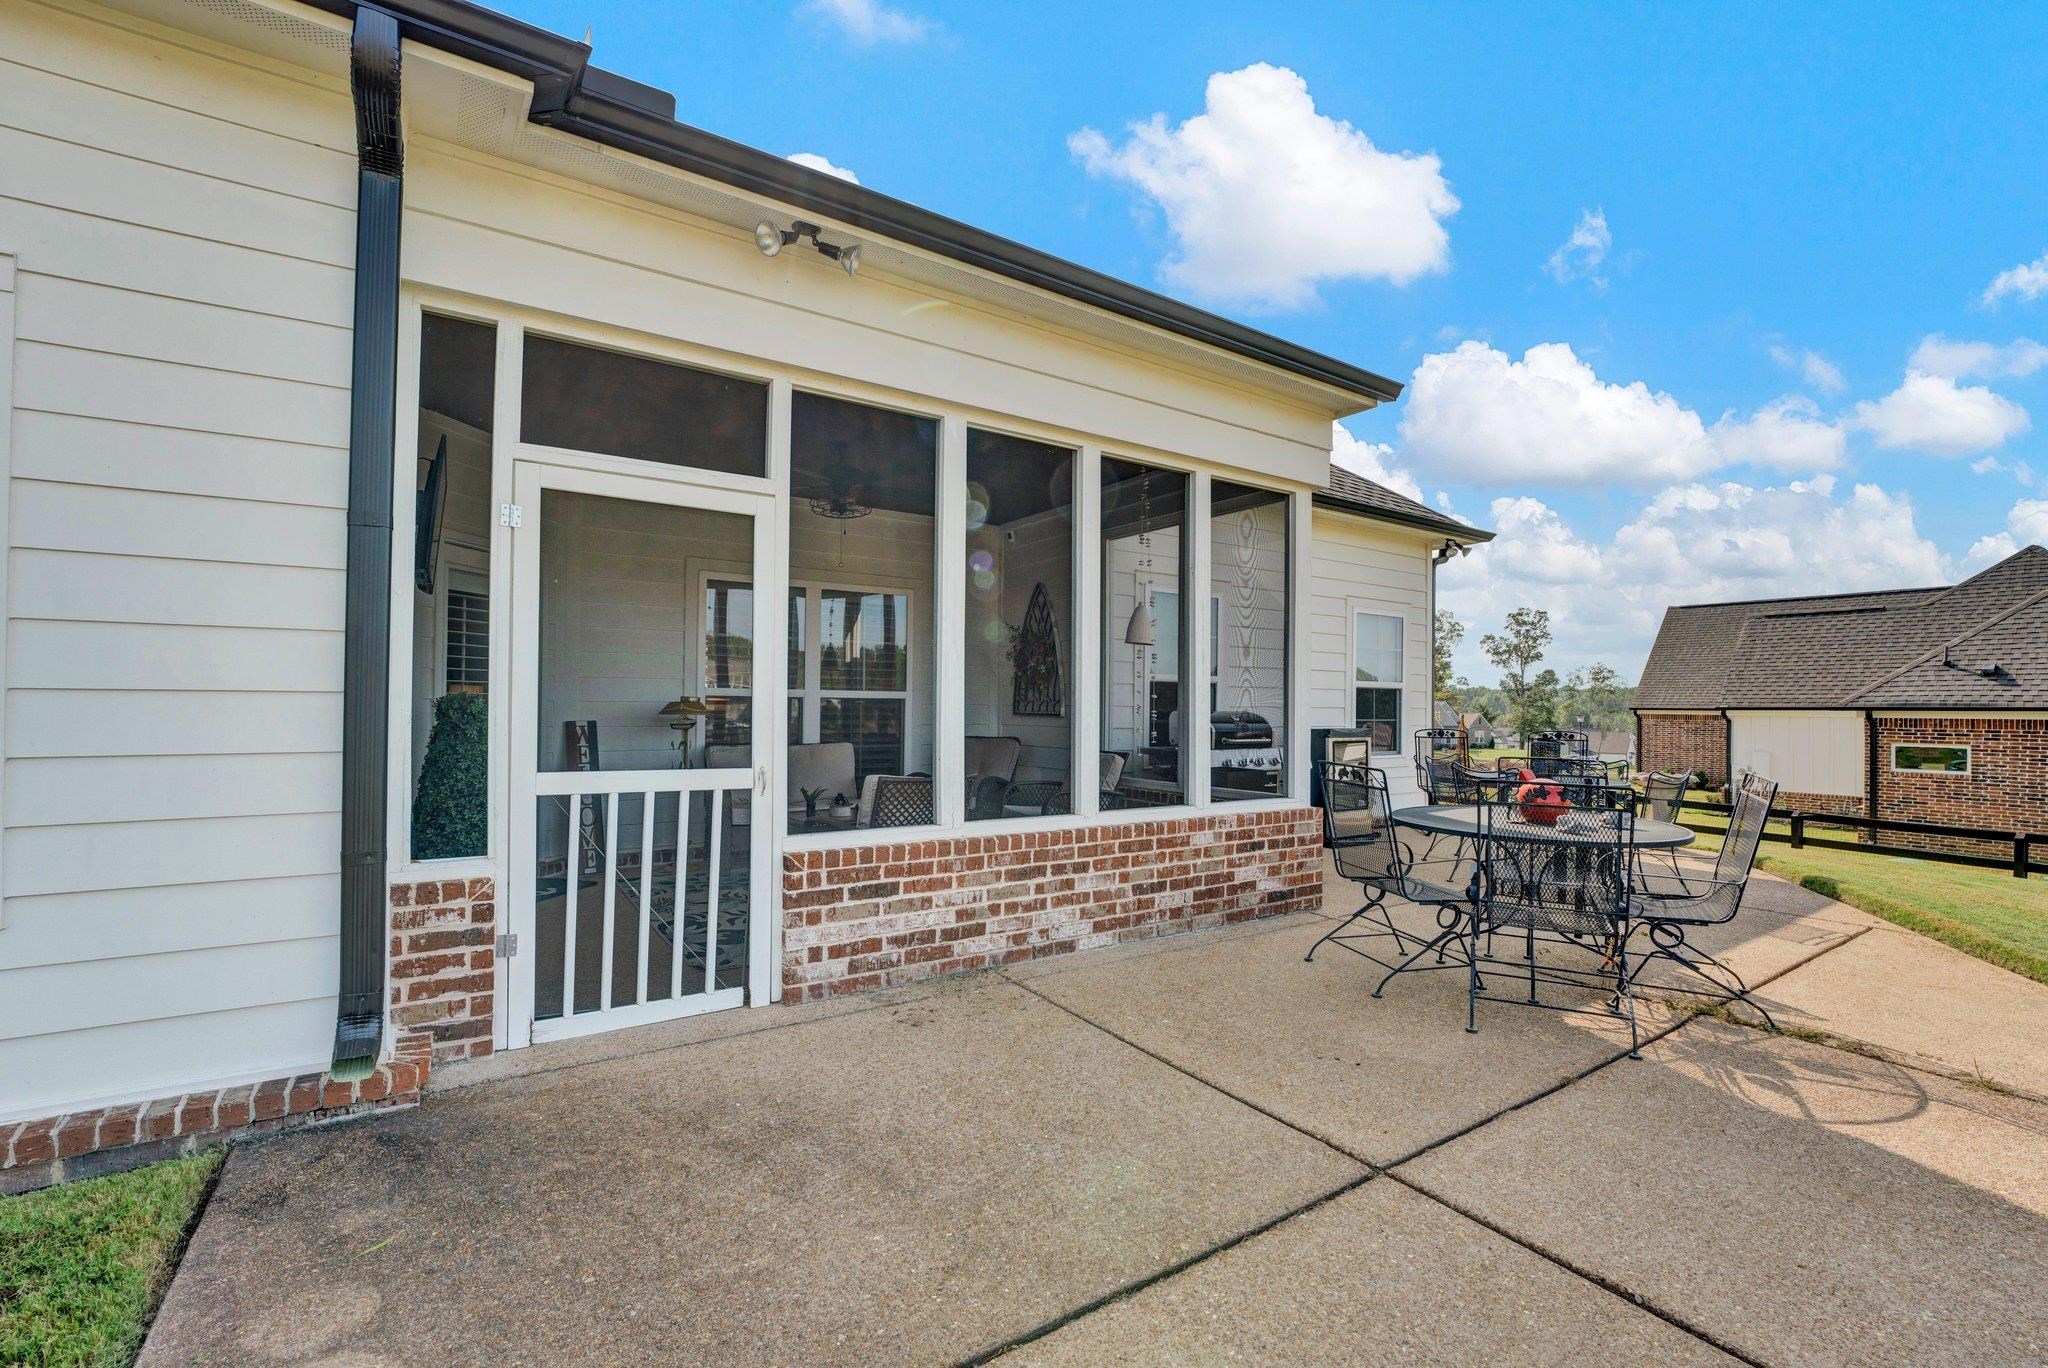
x: 572, y: 96
x: 1450, y: 527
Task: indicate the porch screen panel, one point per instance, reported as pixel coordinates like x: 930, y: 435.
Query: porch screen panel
x: 451, y: 666
x: 864, y: 487
x: 589, y: 399
x: 1144, y: 622
x: 1018, y: 758
x: 646, y: 671
x: 1248, y: 536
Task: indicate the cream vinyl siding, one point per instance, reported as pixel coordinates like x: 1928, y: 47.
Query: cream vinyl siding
x: 182, y: 221
x: 1803, y: 752
x: 1356, y: 565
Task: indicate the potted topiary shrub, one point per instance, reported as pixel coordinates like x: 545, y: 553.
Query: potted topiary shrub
x: 451, y: 806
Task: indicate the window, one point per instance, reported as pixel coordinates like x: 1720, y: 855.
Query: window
x: 451, y: 622
x: 1144, y: 561
x: 1019, y: 574
x: 1248, y: 533
x: 589, y: 399
x: 728, y: 663
x: 1931, y: 759
x: 862, y: 547
x: 467, y: 666
x: 1377, y: 652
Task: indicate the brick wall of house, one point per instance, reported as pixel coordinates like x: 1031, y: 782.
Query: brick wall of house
x: 878, y: 916
x: 1686, y: 742
x: 55, y: 1149
x: 1844, y: 804
x: 2006, y: 788
x: 443, y: 964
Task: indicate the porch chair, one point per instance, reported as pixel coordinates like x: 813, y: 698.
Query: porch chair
x: 895, y: 800
x: 1666, y: 905
x: 1565, y: 885
x: 1385, y: 860
x: 1662, y: 799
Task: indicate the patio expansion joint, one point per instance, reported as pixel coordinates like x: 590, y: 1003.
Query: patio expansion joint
x: 1373, y: 1170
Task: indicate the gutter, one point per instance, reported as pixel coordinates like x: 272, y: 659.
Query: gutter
x: 1870, y: 753
x: 574, y: 97
x: 366, y: 648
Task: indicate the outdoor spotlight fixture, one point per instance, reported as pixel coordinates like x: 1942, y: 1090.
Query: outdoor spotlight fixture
x: 1450, y: 550
x: 771, y: 240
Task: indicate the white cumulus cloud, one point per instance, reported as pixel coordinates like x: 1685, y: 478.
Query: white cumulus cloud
x: 1267, y: 198
x: 1939, y: 355
x: 2028, y: 280
x: 1690, y: 543
x: 2026, y: 524
x: 1373, y: 460
x: 818, y: 163
x: 1475, y: 414
x: 1814, y: 369
x: 1932, y: 413
x: 1581, y: 255
x: 869, y: 22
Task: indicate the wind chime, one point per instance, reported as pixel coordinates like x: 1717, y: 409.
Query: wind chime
x: 1141, y: 631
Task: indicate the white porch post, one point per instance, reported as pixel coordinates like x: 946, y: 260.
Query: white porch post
x: 771, y: 697
x: 1300, y: 534
x: 949, y: 631
x: 1196, y: 647
x: 1086, y: 782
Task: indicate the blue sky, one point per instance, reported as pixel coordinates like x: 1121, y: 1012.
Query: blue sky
x: 1776, y: 209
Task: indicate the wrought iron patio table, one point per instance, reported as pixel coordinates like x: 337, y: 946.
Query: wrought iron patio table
x: 1462, y: 820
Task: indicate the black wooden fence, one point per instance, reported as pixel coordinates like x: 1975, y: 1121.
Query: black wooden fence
x: 2023, y: 844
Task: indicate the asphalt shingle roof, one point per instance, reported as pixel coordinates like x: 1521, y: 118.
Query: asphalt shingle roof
x: 1356, y: 494
x: 1861, y: 650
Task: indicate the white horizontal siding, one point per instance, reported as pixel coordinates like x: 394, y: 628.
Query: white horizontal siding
x: 1360, y: 566
x: 183, y: 227
x: 1803, y: 752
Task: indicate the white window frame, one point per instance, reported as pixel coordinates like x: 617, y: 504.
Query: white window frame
x: 1964, y: 746
x: 1353, y: 684
x: 512, y: 321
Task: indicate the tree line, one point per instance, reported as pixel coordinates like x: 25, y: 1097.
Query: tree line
x: 1528, y: 700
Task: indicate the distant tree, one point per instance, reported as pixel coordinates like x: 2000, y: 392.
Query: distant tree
x: 1595, y: 698
x: 1515, y: 652
x: 1449, y: 632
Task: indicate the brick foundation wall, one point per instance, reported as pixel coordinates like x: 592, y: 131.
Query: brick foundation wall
x: 2006, y: 788
x: 1686, y: 742
x: 878, y: 916
x: 1845, y: 805
x: 55, y: 1149
x: 444, y: 964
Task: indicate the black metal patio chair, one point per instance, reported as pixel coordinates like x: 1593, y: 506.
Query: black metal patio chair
x: 1666, y: 906
x: 1386, y: 861
x: 1563, y: 884
x: 1662, y: 800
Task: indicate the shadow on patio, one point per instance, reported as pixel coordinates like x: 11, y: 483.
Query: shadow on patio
x: 1186, y: 1148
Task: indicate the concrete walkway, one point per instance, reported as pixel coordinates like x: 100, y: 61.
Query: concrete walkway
x: 1196, y: 1148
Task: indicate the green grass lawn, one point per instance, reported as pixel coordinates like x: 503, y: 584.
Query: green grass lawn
x: 1982, y: 912
x: 83, y: 1266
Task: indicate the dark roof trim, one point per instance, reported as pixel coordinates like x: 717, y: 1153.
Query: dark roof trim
x: 575, y: 97
x: 1810, y: 598
x: 1429, y: 522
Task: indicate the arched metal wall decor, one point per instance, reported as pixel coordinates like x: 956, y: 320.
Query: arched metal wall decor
x: 1035, y: 686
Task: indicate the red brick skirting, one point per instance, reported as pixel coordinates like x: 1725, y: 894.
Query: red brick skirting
x: 444, y: 964
x: 1685, y: 743
x: 858, y: 918
x: 81, y: 1144
x: 2005, y: 790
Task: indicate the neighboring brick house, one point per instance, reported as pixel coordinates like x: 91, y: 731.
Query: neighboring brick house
x: 1927, y: 705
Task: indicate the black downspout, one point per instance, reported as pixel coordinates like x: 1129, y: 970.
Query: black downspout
x: 1870, y: 766
x: 1728, y: 755
x: 366, y: 649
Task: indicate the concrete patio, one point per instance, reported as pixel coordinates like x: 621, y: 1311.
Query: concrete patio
x: 1194, y: 1148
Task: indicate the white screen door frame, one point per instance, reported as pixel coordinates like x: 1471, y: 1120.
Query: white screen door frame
x: 530, y: 785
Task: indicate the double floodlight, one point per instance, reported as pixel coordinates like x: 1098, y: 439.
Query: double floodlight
x: 771, y: 240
